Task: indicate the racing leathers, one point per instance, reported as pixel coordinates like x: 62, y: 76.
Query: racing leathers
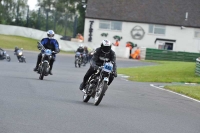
x: 15, y: 52
x: 51, y: 44
x: 80, y: 49
x: 97, y: 61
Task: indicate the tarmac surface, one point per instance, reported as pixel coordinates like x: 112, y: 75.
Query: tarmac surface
x: 54, y: 105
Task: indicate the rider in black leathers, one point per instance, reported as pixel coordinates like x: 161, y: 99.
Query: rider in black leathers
x: 15, y: 52
x: 80, y: 49
x: 49, y: 43
x: 100, y: 54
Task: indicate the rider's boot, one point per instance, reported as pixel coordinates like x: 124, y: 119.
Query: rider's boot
x: 35, y: 69
x: 37, y: 64
x: 82, y: 86
x: 50, y: 72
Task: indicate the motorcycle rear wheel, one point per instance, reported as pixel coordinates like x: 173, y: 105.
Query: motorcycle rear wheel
x: 100, y: 93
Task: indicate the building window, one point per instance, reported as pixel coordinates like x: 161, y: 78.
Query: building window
x: 110, y: 25
x: 157, y: 29
x: 197, y: 34
x: 104, y: 25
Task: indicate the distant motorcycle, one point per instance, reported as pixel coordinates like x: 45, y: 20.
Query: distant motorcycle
x: 20, y: 56
x: 80, y: 59
x: 5, y: 56
x: 44, y: 66
x: 97, y: 84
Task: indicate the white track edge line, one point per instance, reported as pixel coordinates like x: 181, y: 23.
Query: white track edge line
x: 175, y: 93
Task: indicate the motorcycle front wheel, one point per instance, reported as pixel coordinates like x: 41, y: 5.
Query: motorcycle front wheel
x: 86, y: 98
x: 42, y: 71
x: 8, y: 58
x: 76, y: 62
x: 100, y: 92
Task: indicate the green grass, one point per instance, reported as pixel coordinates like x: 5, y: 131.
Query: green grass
x: 168, y: 71
x: 191, y: 91
x: 165, y: 71
x: 10, y: 42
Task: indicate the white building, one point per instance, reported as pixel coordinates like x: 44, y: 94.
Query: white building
x: 165, y: 24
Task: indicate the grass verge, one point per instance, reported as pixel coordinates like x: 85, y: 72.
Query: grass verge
x: 191, y: 91
x: 167, y: 72
x: 10, y: 42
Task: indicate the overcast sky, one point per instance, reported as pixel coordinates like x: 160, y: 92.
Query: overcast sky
x: 32, y: 4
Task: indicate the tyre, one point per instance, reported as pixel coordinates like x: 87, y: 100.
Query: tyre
x: 42, y: 71
x: 100, y: 93
x: 23, y: 60
x: 76, y: 62
x: 79, y: 63
x: 8, y: 58
x: 86, y: 98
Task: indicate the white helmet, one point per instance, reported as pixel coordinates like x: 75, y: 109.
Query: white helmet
x: 81, y: 46
x: 106, y: 46
x: 50, y: 34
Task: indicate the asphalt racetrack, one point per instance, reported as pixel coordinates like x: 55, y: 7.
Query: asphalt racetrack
x: 54, y: 105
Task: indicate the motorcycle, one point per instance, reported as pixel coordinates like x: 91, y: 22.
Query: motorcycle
x: 44, y: 67
x: 20, y: 56
x: 80, y: 59
x: 5, y: 56
x: 97, y: 84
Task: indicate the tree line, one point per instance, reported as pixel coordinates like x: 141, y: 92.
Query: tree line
x: 65, y: 17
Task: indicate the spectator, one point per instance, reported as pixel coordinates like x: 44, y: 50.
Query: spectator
x: 136, y: 54
x: 130, y: 46
x: 116, y: 43
x: 80, y: 37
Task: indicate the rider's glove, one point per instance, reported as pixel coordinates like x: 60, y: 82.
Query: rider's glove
x: 39, y: 46
x: 115, y: 74
x: 57, y: 50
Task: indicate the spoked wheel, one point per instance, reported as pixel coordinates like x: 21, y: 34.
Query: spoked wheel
x: 42, y: 71
x: 41, y: 74
x: 76, y: 63
x: 86, y: 98
x: 79, y: 63
x: 100, y: 93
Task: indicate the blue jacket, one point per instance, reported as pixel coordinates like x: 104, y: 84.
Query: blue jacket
x: 50, y: 44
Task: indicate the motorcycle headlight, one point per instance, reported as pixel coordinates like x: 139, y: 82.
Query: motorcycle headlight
x: 20, y: 53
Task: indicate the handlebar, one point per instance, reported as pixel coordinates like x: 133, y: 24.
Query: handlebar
x: 43, y: 48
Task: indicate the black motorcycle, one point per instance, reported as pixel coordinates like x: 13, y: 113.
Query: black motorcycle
x: 80, y: 59
x: 4, y: 55
x: 97, y: 84
x: 44, y: 67
x: 20, y: 56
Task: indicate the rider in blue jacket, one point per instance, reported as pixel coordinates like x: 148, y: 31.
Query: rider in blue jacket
x: 48, y: 43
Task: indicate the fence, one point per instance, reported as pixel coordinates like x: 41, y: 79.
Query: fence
x: 157, y: 54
